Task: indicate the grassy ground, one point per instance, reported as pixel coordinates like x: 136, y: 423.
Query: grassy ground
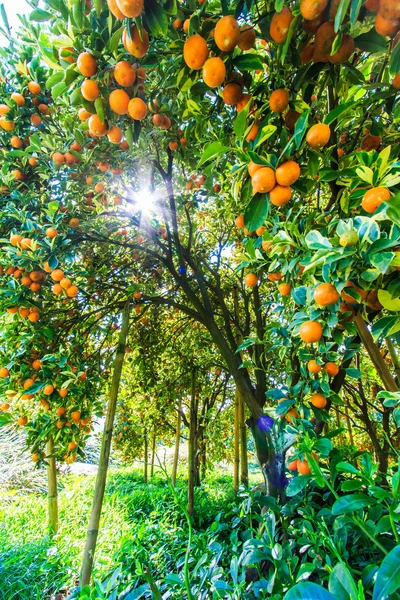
x: 135, y: 517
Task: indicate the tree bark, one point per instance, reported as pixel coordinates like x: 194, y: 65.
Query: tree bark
x: 177, y: 443
x: 52, y: 492
x: 192, y: 443
x: 374, y: 354
x: 146, y: 457
x: 153, y: 451
x: 244, y: 464
x: 236, y: 459
x: 91, y: 539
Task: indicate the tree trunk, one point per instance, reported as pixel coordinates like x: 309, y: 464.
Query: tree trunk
x: 146, y: 457
x: 177, y: 443
x: 91, y: 539
x: 153, y: 451
x: 376, y: 357
x: 394, y: 356
x: 192, y: 444
x: 244, y: 465
x: 349, y: 427
x: 203, y: 461
x: 52, y: 492
x: 236, y: 454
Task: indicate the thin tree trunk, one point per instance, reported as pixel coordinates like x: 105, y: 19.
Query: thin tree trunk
x: 91, y: 539
x: 349, y: 427
x: 177, y: 444
x: 52, y: 492
x: 394, y: 356
x: 341, y: 441
x: 153, y: 451
x: 236, y: 459
x: 244, y: 464
x: 192, y: 444
x: 374, y: 354
x: 203, y: 460
x: 146, y: 457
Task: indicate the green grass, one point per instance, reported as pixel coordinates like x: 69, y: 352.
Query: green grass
x: 138, y: 521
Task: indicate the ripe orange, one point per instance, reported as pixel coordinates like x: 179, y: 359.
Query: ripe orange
x: 318, y: 400
x: 51, y: 232
x: 173, y: 145
x: 253, y: 133
x: 124, y: 73
x: 251, y: 280
x: 245, y: 100
x: 113, y: 8
x: 37, y: 364
x: 18, y: 98
x: 130, y: 8
x: 72, y: 291
x: 48, y: 389
x: 263, y: 180
x: 311, y: 9
x: 34, y: 316
x: 90, y: 90
x: 27, y: 383
x: 119, y: 101
x: 137, y: 109
x: 280, y: 195
x: 252, y: 168
x: 35, y: 120
x: 16, y: 142
x: 302, y: 465
x: 239, y: 221
x: 325, y: 294
x: 83, y: 114
x: 96, y: 126
x: 291, y: 414
x: 76, y: 415
x: 4, y: 372
x: 63, y: 392
x: 34, y: 88
x: 65, y: 283
x: 177, y: 24
x: 195, y: 51
x: 285, y: 289
x: 318, y: 136
x: 310, y: 331
x: 214, y: 72
x: 386, y: 27
x: 137, y: 45
x: 247, y: 37
x: 227, y: 33
x: 280, y: 24
x: 87, y: 64
x: 6, y: 125
x: 26, y: 243
x: 61, y: 411
x: 313, y: 366
x: 279, y: 101
x: 396, y: 81
x: 72, y: 445
x: 287, y: 173
x: 347, y: 298
x: 373, y: 198
x: 292, y: 466
x: 22, y: 421
x: 57, y: 275
x: 15, y: 239
x: 344, y: 52
x: 56, y: 289
x: 115, y: 134
x: 232, y: 93
x: 331, y: 368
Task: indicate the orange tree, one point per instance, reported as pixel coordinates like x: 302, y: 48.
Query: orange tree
x: 291, y: 143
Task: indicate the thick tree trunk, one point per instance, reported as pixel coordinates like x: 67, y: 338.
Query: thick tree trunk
x: 374, y: 354
x: 244, y: 464
x: 236, y: 430
x: 146, y: 457
x: 177, y: 444
x: 91, y: 539
x: 153, y: 451
x: 52, y: 492
x: 192, y: 444
x: 272, y: 462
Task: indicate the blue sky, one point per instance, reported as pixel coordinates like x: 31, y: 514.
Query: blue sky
x: 13, y: 8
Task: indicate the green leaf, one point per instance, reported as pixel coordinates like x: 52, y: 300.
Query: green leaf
x: 53, y: 79
x: 248, y: 62
x: 351, y: 503
x: 341, y: 13
x: 99, y: 6
x: 99, y: 106
x: 339, y: 110
x: 212, y: 151
x: 371, y: 42
x: 385, y: 298
x: 297, y: 484
x: 343, y: 467
x: 353, y: 373
x: 388, y: 576
x: 157, y: 18
x: 384, y: 327
x: 256, y: 211
x: 240, y: 123
x: 300, y: 128
x: 394, y: 64
x: 39, y: 15
x: 393, y: 209
x: 315, y: 241
x: 308, y: 591
x: 342, y: 584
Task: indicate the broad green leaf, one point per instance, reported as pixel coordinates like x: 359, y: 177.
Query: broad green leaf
x: 371, y: 42
x: 341, y: 13
x: 308, y: 591
x: 351, y: 503
x: 342, y: 584
x: 248, y: 62
x: 212, y: 151
x: 297, y: 484
x: 315, y: 241
x: 339, y: 110
x: 385, y: 298
x: 256, y: 211
x: 156, y: 18
x: 394, y: 64
x: 300, y: 128
x: 39, y: 15
x: 388, y: 576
